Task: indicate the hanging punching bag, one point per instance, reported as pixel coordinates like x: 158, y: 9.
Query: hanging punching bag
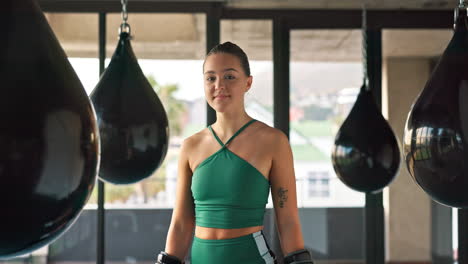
x: 132, y: 121
x: 365, y: 155
x: 436, y: 131
x: 49, y: 142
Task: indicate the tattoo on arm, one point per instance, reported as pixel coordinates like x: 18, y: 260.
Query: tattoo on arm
x: 283, y: 196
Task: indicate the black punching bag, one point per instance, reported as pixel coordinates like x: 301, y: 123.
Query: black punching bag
x: 132, y: 121
x: 365, y: 155
x: 49, y: 141
x: 436, y: 131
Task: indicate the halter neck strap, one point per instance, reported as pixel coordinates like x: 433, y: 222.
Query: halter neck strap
x: 233, y: 136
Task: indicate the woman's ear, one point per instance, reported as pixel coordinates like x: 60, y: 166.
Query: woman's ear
x: 249, y: 83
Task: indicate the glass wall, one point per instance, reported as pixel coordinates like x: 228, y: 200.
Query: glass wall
x: 325, y: 77
x: 170, y: 49
x: 326, y: 74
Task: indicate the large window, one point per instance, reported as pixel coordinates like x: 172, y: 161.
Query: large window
x: 325, y: 73
x: 318, y: 184
x: 171, y: 58
x: 325, y: 76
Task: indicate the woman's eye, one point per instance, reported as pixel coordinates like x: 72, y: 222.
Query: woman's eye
x: 210, y: 79
x: 230, y: 77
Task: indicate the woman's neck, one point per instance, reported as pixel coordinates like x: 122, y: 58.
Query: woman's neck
x: 228, y: 123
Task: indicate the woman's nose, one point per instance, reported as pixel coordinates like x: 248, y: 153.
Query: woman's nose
x: 219, y: 84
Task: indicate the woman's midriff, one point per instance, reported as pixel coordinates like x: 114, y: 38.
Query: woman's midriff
x: 220, y: 233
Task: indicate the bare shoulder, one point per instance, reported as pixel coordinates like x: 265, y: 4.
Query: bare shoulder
x: 192, y: 149
x: 192, y: 142
x: 272, y: 136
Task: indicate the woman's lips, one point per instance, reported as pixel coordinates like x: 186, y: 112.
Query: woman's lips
x: 221, y: 96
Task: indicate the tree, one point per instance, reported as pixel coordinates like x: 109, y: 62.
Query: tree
x: 174, y: 107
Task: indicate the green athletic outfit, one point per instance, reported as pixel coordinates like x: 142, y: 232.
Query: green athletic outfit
x: 229, y: 193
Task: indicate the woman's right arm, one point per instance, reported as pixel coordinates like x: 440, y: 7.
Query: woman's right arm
x: 182, y: 224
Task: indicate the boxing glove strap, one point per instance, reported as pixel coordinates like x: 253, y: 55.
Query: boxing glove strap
x: 298, y: 257
x: 164, y: 258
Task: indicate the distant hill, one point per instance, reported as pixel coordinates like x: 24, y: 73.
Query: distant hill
x: 309, y: 78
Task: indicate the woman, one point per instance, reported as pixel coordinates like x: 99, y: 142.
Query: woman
x: 224, y: 176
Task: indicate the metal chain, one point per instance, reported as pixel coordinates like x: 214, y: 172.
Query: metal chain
x: 124, y: 26
x: 124, y: 10
x: 364, y: 44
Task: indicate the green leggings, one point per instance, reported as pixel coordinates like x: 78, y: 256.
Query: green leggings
x: 248, y: 249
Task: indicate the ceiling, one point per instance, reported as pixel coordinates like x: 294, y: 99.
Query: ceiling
x: 344, y: 4
x: 182, y: 36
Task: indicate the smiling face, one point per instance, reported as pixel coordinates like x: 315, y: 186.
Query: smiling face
x: 225, y: 82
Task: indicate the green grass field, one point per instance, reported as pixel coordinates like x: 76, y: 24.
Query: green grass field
x: 307, y: 153
x: 312, y: 128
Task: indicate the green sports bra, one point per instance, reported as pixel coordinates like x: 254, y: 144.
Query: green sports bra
x: 228, y: 191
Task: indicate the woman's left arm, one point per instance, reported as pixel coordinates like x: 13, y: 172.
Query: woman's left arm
x: 283, y: 190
